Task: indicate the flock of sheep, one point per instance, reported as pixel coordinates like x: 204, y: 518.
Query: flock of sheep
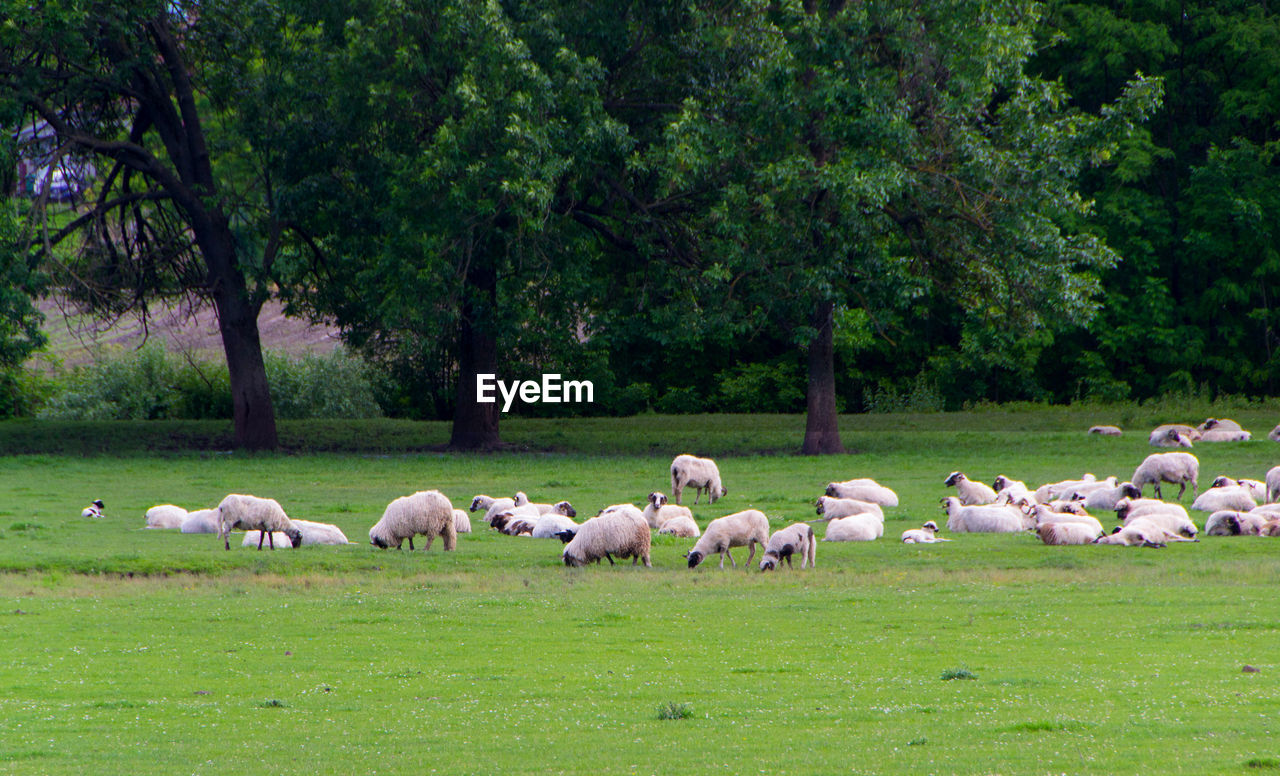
x: 1059, y: 513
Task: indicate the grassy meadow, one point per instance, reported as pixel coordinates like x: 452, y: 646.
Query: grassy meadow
x: 131, y: 651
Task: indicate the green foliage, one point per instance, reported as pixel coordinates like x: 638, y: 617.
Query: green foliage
x: 958, y: 673
x: 673, y: 710
x: 774, y: 387
x: 336, y: 385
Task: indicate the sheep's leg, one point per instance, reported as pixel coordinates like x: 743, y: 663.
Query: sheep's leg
x: 1182, y: 488
x: 411, y: 542
x: 430, y: 539
x: 752, y: 554
x: 271, y: 539
x: 731, y: 560
x: 610, y: 557
x: 261, y: 536
x: 697, y: 493
x: 1156, y: 488
x: 227, y: 540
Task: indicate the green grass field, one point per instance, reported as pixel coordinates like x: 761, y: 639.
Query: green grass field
x: 131, y: 651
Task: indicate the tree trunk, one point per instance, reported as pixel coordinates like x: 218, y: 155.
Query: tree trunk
x: 252, y: 411
x: 821, y: 434
x: 475, y: 425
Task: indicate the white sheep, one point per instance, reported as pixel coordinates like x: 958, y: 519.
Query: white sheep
x: 1256, y: 488
x: 971, y: 493
x: 165, y: 516
x: 1011, y: 491
x: 1171, y: 517
x: 427, y: 512
x: 925, y: 534
x: 552, y: 525
x: 741, y: 529
x: 1173, y: 468
x: 863, y: 490
x: 1225, y: 494
x: 1066, y: 533
x: 1160, y: 433
x: 795, y: 539
x: 1170, y: 437
x: 461, y: 521
x: 1231, y: 523
x: 560, y: 507
x: 1106, y: 498
x: 854, y: 528
x: 320, y: 533
x: 1217, y: 435
x: 986, y: 518
x: 1044, y: 515
x: 1105, y: 430
x: 1141, y: 534
x: 201, y: 521
x: 255, y: 539
x: 657, y: 512
x: 701, y: 473
x: 835, y: 508
x: 1051, y: 490
x: 1083, y: 490
x: 239, y: 512
x: 621, y: 532
x: 1219, y: 424
x: 94, y: 509
x: 1274, y: 434
x: 683, y: 526
x: 1272, y: 481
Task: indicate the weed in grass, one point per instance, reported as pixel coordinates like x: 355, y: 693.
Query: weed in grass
x: 958, y: 673
x: 1263, y: 763
x: 272, y: 704
x: 918, y: 741
x: 673, y: 710
x: 26, y: 527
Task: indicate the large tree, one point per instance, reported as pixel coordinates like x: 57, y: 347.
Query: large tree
x: 181, y: 206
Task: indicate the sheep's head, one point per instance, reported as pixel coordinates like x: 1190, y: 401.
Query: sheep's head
x: 97, y: 502
x: 1129, y: 490
x: 566, y: 509
x: 571, y: 560
x: 520, y: 498
x: 1210, y: 424
x: 695, y: 557
x: 820, y: 506
x: 500, y: 521
x: 768, y: 563
x: 565, y: 536
x: 930, y: 526
x: 953, y: 478
x: 657, y: 499
x: 475, y: 503
x: 1222, y: 482
x: 723, y: 492
x: 295, y: 536
x: 831, y: 486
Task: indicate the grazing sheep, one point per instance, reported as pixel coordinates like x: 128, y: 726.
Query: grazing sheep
x: 1225, y: 494
x: 1228, y: 523
x: 971, y: 493
x: 657, y: 512
x: 1105, y: 430
x: 1106, y: 498
x: 621, y: 532
x: 238, y: 512
x: 1051, y: 490
x: 1171, y: 438
x: 1068, y: 533
x: 985, y: 519
x: 795, y: 539
x: 741, y: 529
x: 552, y: 524
x: 94, y: 509
x: 701, y: 473
x: 461, y: 521
x: 854, y: 528
x: 682, y: 526
x: 836, y: 508
x: 201, y: 521
x: 427, y: 512
x: 320, y: 533
x: 1173, y: 468
x: 165, y: 516
x: 863, y: 490
x: 925, y: 534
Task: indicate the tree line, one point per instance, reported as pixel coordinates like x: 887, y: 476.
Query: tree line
x: 811, y: 204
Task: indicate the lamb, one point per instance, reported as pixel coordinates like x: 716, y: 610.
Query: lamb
x: 1225, y: 496
x: 165, y: 516
x: 658, y: 511
x: 740, y: 529
x: 201, y: 521
x: 461, y: 521
x: 1068, y: 533
x: 863, y: 490
x: 1105, y: 430
x: 925, y: 534
x: 971, y: 493
x: 836, y: 508
x: 427, y: 512
x: 1173, y: 468
x: 320, y: 533
x: 238, y: 512
x: 94, y: 509
x: 621, y: 532
x: 795, y: 539
x: 1171, y: 437
x: 681, y: 525
x: 1106, y: 498
x: 984, y: 519
x: 855, y: 528
x: 1229, y: 523
x: 701, y: 473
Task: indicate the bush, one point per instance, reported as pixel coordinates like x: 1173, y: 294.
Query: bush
x: 337, y: 385
x: 774, y: 388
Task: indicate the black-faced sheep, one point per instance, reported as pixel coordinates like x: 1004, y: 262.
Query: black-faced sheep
x: 1171, y: 438
x: 1106, y: 498
x: 795, y: 539
x: 1174, y: 468
x: 741, y: 529
x: 620, y: 532
x: 238, y: 512
x: 320, y: 533
x: 925, y: 534
x: 94, y: 509
x: 701, y: 473
x: 971, y: 493
x: 1229, y: 523
x: 1171, y: 517
x: 427, y: 512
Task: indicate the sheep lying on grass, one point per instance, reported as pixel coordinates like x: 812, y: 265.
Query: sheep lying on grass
x: 854, y: 528
x: 239, y: 512
x: 426, y: 512
x: 657, y: 512
x: 165, y: 517
x: 1105, y: 430
x: 925, y: 534
x: 1229, y: 523
x: 741, y: 529
x: 1067, y: 533
x: 863, y: 490
x: 835, y: 508
x: 621, y: 532
x: 201, y: 521
x: 320, y: 533
x: 985, y: 519
x: 94, y: 509
x: 971, y: 493
x: 795, y: 539
x: 681, y: 525
x: 1225, y: 494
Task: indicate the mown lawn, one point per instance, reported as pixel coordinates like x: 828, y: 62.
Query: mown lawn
x: 132, y: 651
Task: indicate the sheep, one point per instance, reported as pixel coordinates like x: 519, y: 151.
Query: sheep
x: 461, y: 521
x: 1141, y: 534
x: 835, y: 508
x: 254, y: 539
x: 1051, y: 490
x: 94, y: 509
x: 1082, y: 490
x: 427, y: 512
x: 658, y: 511
x: 1256, y: 488
x: 239, y: 512
x: 1043, y: 516
x: 1105, y: 430
x: 971, y: 493
x: 320, y: 533
x: 1230, y: 523
x: 863, y: 490
x: 1106, y: 498
x: 201, y: 521
x: 682, y: 526
x: 984, y: 519
x: 855, y: 528
x: 1068, y: 533
x: 1010, y: 491
x: 740, y: 529
x: 552, y: 524
x: 701, y: 473
x: 560, y: 507
x: 795, y: 539
x: 1225, y: 496
x: 1274, y: 434
x: 1171, y: 437
x: 1216, y: 435
x: 1171, y: 517
x: 1161, y: 434
x: 1272, y: 481
x: 165, y: 516
x: 1173, y: 468
x: 621, y: 532
x: 925, y: 534
x: 1219, y: 424
x: 491, y: 505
